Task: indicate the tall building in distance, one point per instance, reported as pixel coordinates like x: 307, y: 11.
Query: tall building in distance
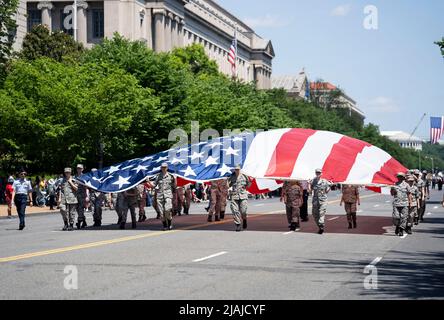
x: 162, y: 24
x: 404, y: 139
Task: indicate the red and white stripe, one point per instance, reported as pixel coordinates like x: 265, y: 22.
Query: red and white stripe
x: 436, y: 133
x: 296, y: 153
x: 232, y: 55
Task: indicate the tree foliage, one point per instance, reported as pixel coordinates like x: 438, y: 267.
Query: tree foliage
x: 40, y: 42
x: 7, y: 32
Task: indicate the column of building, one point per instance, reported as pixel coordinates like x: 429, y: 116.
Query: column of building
x: 168, y: 30
x: 46, y: 7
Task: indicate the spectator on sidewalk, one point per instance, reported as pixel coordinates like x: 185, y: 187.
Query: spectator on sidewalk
x: 8, y: 195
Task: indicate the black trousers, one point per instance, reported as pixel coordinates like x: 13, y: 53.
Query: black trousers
x: 21, y: 201
x: 304, y: 208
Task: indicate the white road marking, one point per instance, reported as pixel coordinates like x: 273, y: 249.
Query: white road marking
x: 359, y: 211
x: 429, y: 213
x: 436, y: 207
x: 375, y: 261
x: 209, y: 257
x: 334, y: 218
x: 288, y: 232
x: 259, y: 205
x: 376, y: 205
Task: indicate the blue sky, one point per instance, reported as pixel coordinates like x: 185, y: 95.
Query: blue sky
x: 395, y: 73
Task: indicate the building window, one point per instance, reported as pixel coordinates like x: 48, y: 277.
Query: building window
x: 66, y: 23
x: 98, y: 23
x: 34, y: 18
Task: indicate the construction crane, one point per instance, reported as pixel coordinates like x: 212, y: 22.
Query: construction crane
x: 414, y: 130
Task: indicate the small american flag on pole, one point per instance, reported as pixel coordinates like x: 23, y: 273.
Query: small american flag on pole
x: 232, y: 55
x: 436, y: 128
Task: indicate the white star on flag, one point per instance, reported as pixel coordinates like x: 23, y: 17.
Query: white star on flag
x: 238, y: 139
x: 196, y: 155
x: 112, y: 169
x: 176, y: 160
x: 214, y: 144
x: 88, y: 184
x: 122, y: 181
x: 140, y: 168
x: 232, y: 151
x: 182, y: 150
x: 161, y: 159
x: 224, y: 169
x: 210, y: 160
x: 146, y: 159
x: 127, y: 167
x: 154, y: 169
x: 188, y: 172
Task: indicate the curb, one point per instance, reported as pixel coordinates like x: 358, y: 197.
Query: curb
x: 44, y: 213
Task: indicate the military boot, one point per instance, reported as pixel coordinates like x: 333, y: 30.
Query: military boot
x: 71, y: 227
x: 134, y: 225
x: 354, y: 220
x: 65, y: 227
x: 170, y: 225
x: 122, y: 225
x: 349, y: 225
x: 238, y: 228
x: 165, y: 225
x: 216, y: 218
x: 321, y: 230
x: 397, y: 230
x: 408, y: 230
x: 293, y: 226
x: 244, y: 225
x: 222, y: 215
x: 401, y: 232
x: 210, y: 219
x: 84, y: 225
x: 78, y: 224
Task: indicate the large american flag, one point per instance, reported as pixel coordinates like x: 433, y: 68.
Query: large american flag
x: 232, y: 56
x: 436, y: 129
x: 267, y: 157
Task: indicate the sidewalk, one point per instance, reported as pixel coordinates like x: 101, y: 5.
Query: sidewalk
x: 29, y: 210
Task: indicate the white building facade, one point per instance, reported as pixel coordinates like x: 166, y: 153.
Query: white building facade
x: 404, y: 139
x: 162, y: 24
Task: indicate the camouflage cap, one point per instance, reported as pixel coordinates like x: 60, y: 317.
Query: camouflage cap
x: 164, y: 165
x: 237, y: 167
x: 410, y: 178
x: 417, y: 171
x: 67, y: 170
x: 400, y: 174
x: 79, y: 166
x: 318, y: 170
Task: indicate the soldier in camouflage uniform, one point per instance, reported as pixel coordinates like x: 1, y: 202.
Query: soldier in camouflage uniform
x: 218, y: 202
x: 178, y: 201
x: 130, y: 198
x: 400, y: 192
x: 67, y: 200
x: 165, y: 187
x: 117, y: 200
x: 97, y: 198
x: 350, y: 198
x: 187, y: 199
x: 319, y: 188
x: 413, y: 203
x: 292, y: 195
x: 239, y: 183
x: 426, y: 194
x: 82, y: 197
x: 420, y: 184
x: 141, y: 201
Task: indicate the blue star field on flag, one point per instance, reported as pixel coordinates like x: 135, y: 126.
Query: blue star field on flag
x: 203, y: 161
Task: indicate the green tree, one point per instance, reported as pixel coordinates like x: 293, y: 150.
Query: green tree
x: 7, y: 32
x: 60, y: 113
x: 195, y: 59
x: 40, y: 42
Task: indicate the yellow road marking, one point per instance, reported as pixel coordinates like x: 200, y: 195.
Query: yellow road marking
x: 130, y: 238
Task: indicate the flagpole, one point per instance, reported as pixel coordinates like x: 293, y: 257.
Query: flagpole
x: 74, y: 18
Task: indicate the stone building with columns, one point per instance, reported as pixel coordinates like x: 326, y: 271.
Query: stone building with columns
x: 162, y: 25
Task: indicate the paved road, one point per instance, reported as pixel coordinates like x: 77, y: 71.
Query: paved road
x: 199, y: 260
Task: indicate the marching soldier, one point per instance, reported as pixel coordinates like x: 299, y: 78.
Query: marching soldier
x: 178, y: 201
x: 82, y: 198
x: 426, y: 194
x: 219, y: 189
x: 239, y: 197
x: 187, y: 200
x: 117, y: 201
x: 319, y: 188
x: 129, y: 201
x: 350, y: 198
x: 422, y: 196
x: 68, y: 200
x: 292, y: 195
x: 141, y: 201
x: 97, y: 198
x: 165, y: 187
x: 400, y: 192
x: 413, y: 203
